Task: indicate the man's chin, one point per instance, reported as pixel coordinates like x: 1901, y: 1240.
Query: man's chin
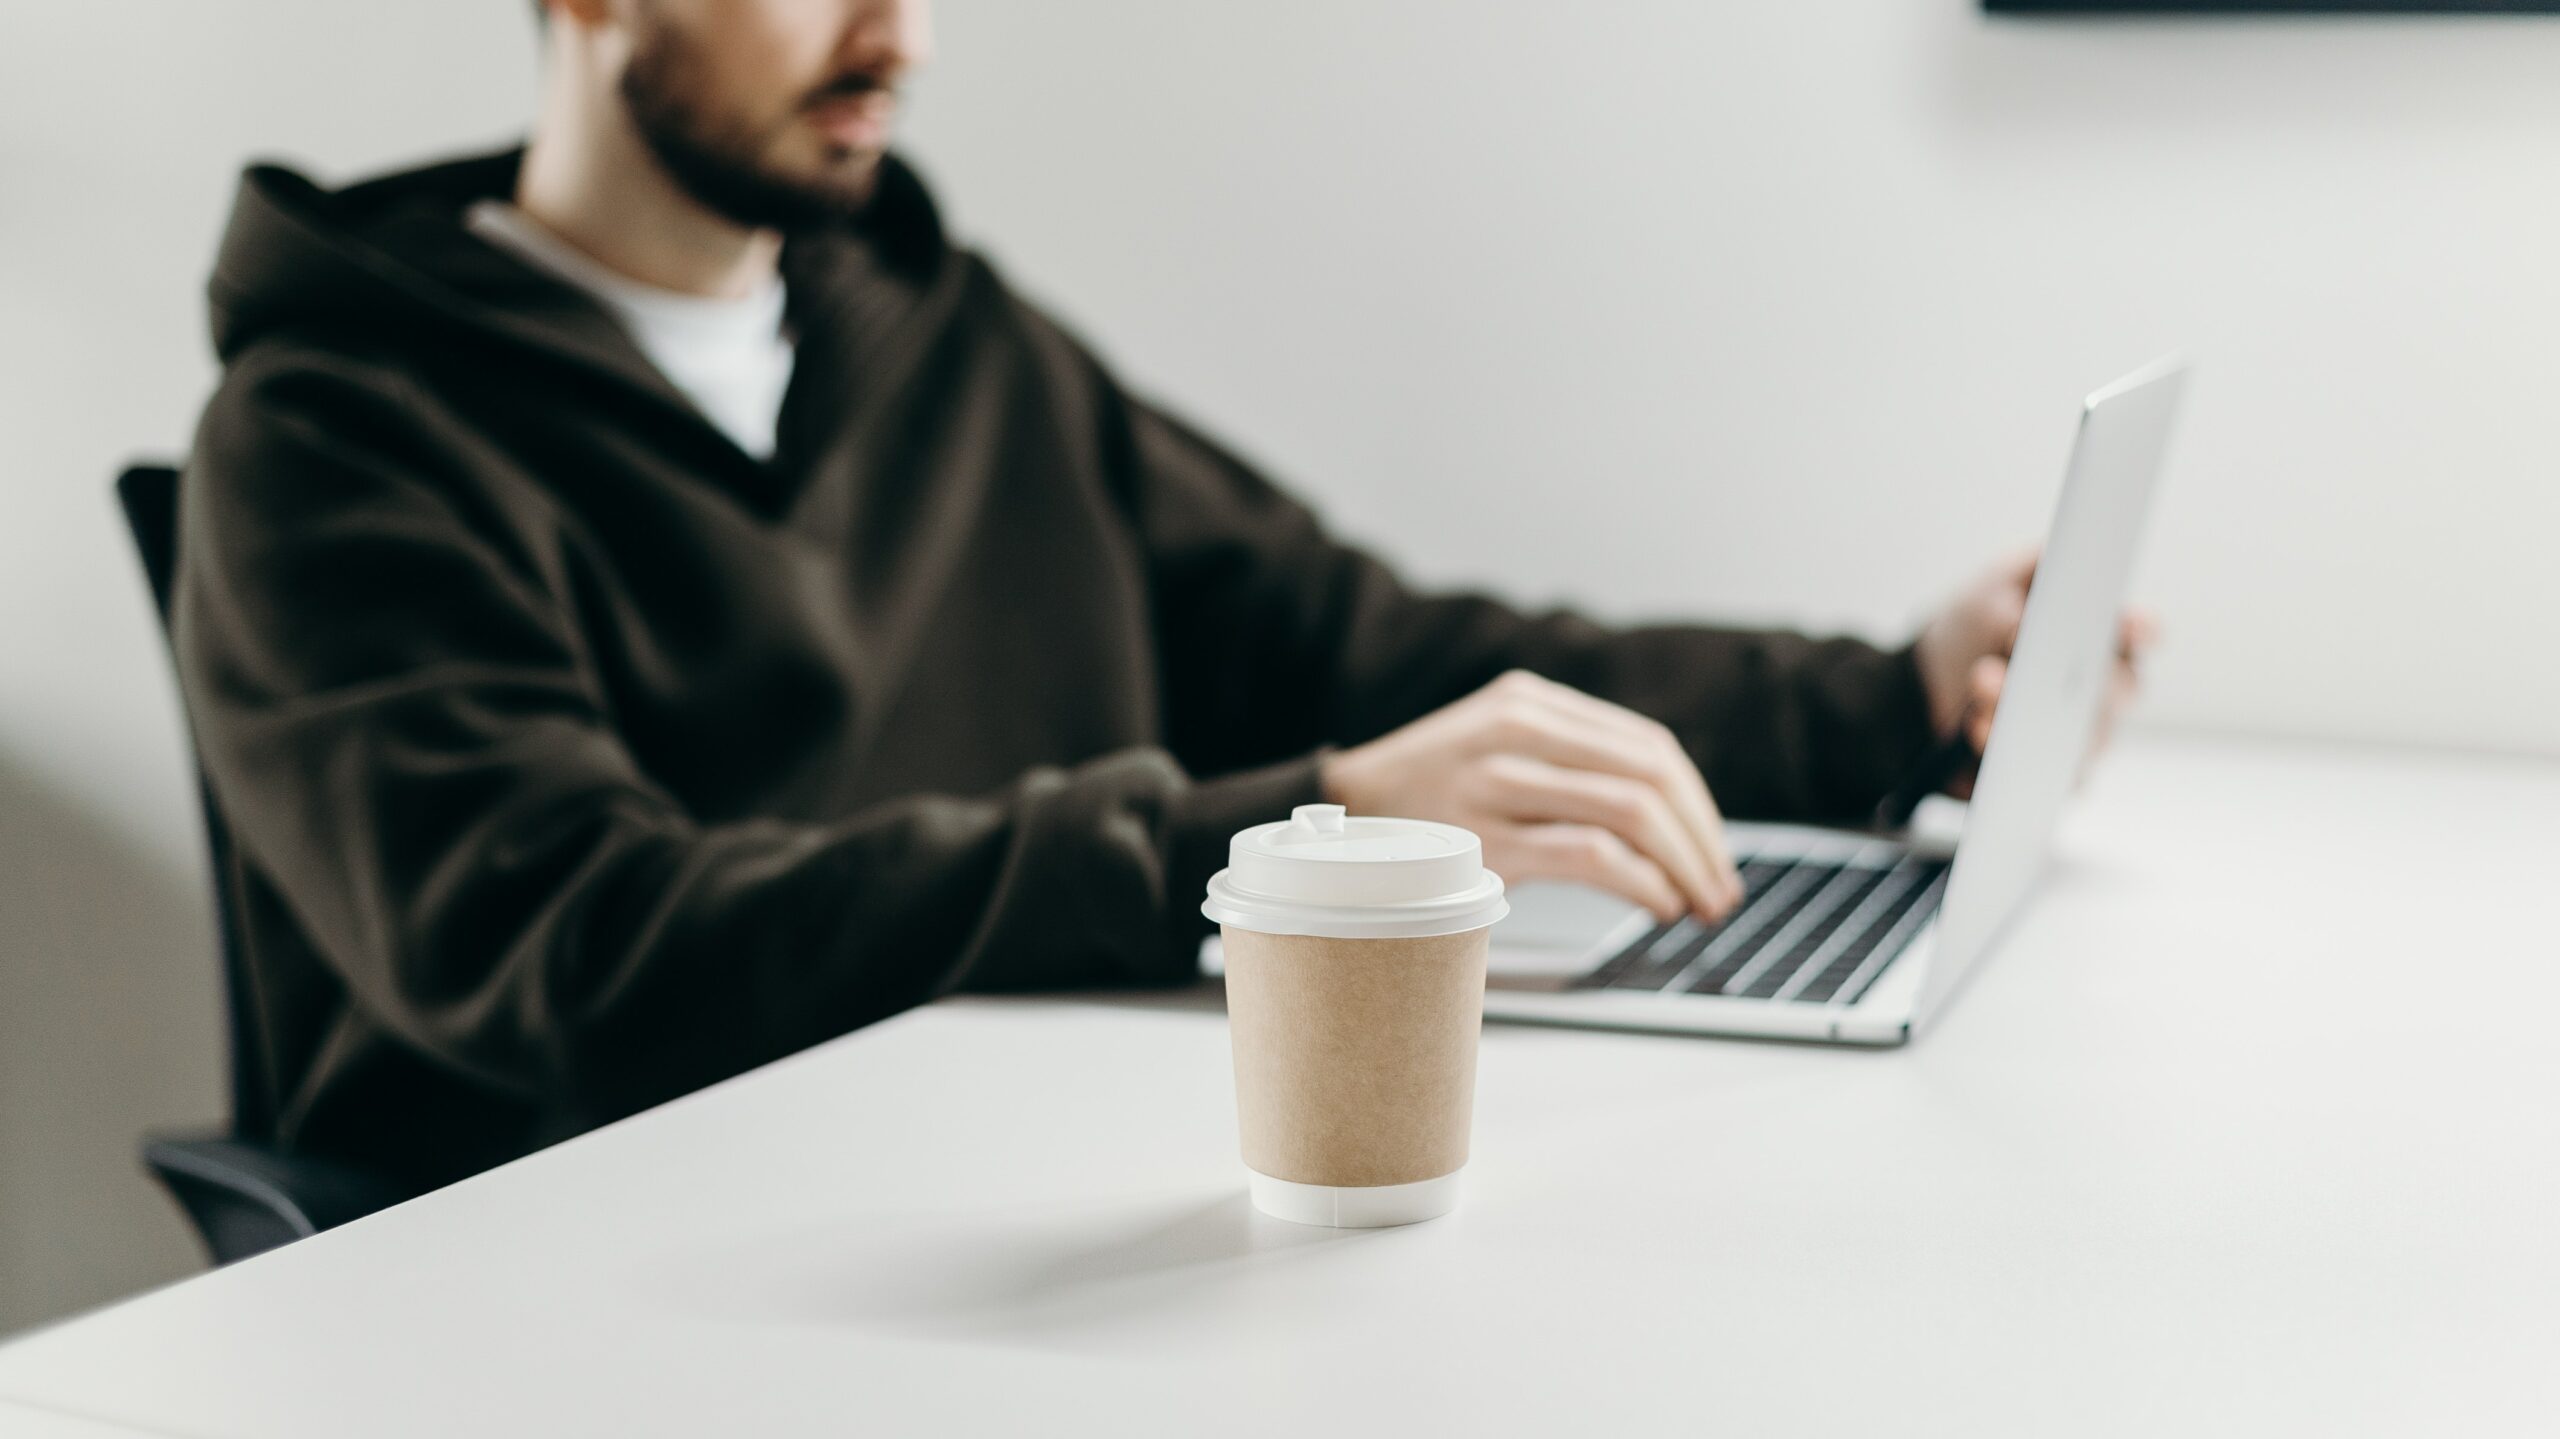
x: 836, y: 175
x: 782, y: 198
x: 854, y: 170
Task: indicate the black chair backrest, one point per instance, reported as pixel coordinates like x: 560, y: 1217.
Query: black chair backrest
x: 149, y: 494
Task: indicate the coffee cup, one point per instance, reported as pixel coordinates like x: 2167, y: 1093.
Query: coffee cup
x: 1355, y: 962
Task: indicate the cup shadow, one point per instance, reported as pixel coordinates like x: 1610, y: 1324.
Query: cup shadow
x: 1204, y: 1237
x: 1083, y: 1281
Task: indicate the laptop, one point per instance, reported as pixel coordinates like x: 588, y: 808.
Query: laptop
x: 1859, y: 938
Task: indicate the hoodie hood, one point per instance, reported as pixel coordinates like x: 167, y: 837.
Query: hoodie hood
x: 391, y: 256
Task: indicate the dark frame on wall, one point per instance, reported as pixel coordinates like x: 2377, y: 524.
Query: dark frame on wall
x: 2278, y: 7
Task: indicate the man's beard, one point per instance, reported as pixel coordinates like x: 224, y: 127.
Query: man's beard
x: 716, y: 163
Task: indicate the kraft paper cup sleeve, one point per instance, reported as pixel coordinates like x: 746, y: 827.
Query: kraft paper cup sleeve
x: 1355, y: 1059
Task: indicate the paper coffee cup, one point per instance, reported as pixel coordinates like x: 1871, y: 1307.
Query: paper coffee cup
x: 1355, y: 959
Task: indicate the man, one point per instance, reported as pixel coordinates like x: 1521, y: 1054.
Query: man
x: 651, y: 603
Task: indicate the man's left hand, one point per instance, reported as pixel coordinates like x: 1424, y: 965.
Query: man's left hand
x: 1964, y: 657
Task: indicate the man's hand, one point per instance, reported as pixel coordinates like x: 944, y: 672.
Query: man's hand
x: 1558, y: 785
x: 1964, y: 657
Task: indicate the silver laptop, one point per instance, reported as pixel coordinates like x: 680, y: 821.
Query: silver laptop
x: 1854, y: 938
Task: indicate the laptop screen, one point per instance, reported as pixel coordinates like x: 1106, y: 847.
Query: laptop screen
x: 2059, y: 672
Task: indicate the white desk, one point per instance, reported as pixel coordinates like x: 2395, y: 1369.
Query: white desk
x: 2251, y: 1129
x: 19, y: 1422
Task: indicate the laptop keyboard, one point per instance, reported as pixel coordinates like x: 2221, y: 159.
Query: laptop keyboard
x: 1809, y: 932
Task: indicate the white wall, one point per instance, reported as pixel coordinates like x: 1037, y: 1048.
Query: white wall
x: 1782, y: 308
x: 1772, y: 309
x: 122, y: 128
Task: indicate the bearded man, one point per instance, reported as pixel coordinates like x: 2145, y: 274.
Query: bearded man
x: 649, y: 602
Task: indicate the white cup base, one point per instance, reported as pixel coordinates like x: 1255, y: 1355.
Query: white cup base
x: 1355, y: 1207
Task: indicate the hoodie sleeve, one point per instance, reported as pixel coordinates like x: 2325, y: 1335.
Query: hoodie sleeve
x: 1273, y: 629
x: 393, y: 708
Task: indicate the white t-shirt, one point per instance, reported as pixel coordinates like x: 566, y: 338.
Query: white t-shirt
x: 730, y: 357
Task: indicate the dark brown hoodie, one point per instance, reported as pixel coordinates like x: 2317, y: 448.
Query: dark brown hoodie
x: 576, y: 758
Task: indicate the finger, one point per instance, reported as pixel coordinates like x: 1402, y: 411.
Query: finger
x: 1706, y: 822
x: 1667, y: 764
x: 1527, y: 789
x: 1678, y: 777
x: 1983, y: 684
x: 1566, y: 727
x: 2006, y: 600
x: 2122, y: 688
x: 2018, y: 567
x: 2136, y: 633
x: 1586, y: 854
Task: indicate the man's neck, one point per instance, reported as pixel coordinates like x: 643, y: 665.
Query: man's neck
x: 591, y: 180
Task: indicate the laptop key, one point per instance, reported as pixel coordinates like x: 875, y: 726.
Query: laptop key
x: 1785, y: 902
x: 1614, y: 969
x: 1687, y: 957
x: 1810, y: 942
x: 1907, y: 916
x: 1821, y: 987
x: 1661, y: 954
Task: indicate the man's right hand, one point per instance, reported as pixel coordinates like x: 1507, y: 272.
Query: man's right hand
x: 1559, y: 785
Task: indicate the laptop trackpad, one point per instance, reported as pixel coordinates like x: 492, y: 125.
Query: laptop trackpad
x: 1546, y: 941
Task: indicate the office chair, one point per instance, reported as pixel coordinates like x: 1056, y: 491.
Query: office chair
x: 243, y: 1192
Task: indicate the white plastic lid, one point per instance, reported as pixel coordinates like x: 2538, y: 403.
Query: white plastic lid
x: 1321, y: 872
